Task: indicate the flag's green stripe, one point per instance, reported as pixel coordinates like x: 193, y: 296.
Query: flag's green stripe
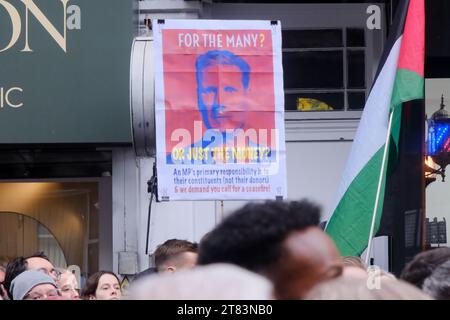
x: 349, y: 226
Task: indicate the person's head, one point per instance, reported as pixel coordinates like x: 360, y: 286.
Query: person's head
x: 212, y: 282
x: 350, y: 288
x: 34, y: 285
x: 277, y: 239
x: 2, y: 278
x: 68, y: 285
x: 102, y: 285
x: 354, y: 267
x: 222, y: 83
x: 437, y: 284
x: 374, y: 271
x: 2, y: 273
x: 37, y: 262
x: 174, y: 255
x: 423, y: 265
x: 353, y: 261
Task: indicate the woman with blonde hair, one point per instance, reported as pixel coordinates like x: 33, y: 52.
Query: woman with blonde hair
x: 68, y: 285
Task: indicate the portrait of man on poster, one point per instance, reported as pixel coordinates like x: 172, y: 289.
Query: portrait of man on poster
x: 222, y: 82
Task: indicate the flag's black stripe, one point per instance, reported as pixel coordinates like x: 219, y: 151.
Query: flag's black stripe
x: 396, y: 31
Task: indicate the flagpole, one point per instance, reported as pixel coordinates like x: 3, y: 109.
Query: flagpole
x: 380, y: 180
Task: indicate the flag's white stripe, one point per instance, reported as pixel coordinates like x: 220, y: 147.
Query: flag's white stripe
x: 371, y: 133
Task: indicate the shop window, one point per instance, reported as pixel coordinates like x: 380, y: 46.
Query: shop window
x: 60, y: 219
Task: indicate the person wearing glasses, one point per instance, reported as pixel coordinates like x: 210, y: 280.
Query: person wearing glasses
x: 38, y: 262
x: 68, y: 285
x: 34, y: 285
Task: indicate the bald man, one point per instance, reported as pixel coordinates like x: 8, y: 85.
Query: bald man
x: 308, y: 257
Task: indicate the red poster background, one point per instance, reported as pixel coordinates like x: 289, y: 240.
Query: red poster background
x: 180, y: 87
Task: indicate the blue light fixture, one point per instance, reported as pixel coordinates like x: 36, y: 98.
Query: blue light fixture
x: 438, y: 146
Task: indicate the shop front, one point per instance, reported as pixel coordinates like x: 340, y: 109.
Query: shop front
x: 63, y: 109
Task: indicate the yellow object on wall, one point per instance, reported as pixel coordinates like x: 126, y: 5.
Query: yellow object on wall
x: 308, y: 104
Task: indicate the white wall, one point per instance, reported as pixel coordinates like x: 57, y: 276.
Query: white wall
x: 314, y: 170
x: 183, y: 220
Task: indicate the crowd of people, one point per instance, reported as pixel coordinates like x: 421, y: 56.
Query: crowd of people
x: 263, y: 251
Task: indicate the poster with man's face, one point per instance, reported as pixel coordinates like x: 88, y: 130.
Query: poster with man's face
x: 219, y: 106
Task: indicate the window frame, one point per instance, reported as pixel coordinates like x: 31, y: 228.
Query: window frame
x: 316, y: 16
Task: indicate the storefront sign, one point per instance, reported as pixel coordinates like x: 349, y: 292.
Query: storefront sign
x: 64, y: 71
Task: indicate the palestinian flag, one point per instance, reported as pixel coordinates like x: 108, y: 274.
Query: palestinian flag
x: 400, y: 78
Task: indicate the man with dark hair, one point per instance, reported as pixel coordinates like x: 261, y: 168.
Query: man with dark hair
x: 437, y: 284
x: 37, y: 261
x: 423, y: 265
x: 280, y: 240
x: 174, y: 255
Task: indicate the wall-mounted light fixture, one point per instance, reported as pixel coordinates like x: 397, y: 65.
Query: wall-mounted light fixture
x: 438, y: 146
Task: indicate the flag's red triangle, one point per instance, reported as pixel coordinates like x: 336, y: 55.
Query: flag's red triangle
x: 412, y: 52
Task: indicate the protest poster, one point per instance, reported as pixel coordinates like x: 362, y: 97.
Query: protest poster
x: 219, y: 109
